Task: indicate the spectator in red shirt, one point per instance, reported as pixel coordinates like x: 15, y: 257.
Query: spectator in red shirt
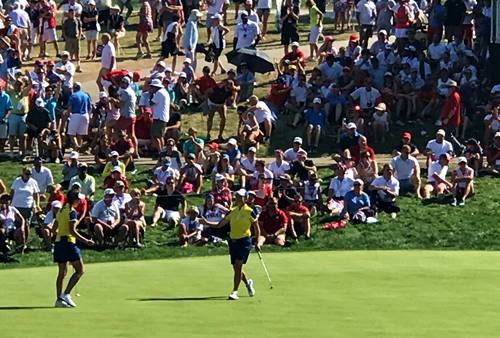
x: 296, y: 56
x: 361, y: 147
x: 55, y: 194
x: 221, y: 192
x: 200, y: 86
x: 273, y: 223
x: 115, y: 176
x: 298, y: 213
x: 278, y: 95
x: 82, y: 208
x: 263, y: 191
x: 452, y: 108
x: 125, y: 148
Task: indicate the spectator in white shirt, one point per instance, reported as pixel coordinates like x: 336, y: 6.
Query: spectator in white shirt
x: 263, y: 115
x: 290, y: 154
x: 462, y: 180
x: 436, y: 49
x: 160, y: 107
x: 279, y: 166
x: 108, y: 59
x: 385, y: 189
x: 247, y: 33
x: 249, y: 12
x: 25, y: 197
x: 436, y: 179
x: 407, y: 171
x: 330, y: 69
x: 42, y: 175
x: 339, y: 186
x: 297, y: 100
x: 367, y: 96
x: 366, y: 13
x: 437, y: 147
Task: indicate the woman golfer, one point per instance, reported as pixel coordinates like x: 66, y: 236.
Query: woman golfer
x: 241, y: 218
x: 65, y: 249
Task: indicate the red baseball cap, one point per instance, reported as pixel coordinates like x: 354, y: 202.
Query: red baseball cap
x: 353, y: 37
x: 407, y: 135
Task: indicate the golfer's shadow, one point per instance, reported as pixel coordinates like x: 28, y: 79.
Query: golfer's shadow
x: 181, y: 299
x: 7, y: 308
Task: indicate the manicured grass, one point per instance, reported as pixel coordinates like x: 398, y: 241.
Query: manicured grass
x: 316, y: 294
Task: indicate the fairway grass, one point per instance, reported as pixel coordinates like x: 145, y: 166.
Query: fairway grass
x: 316, y: 294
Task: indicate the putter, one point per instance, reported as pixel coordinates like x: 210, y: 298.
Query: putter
x: 265, y: 269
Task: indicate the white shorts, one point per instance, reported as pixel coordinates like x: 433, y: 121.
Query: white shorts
x: 314, y: 34
x: 49, y: 35
x: 171, y: 216
x: 78, y: 124
x: 401, y: 33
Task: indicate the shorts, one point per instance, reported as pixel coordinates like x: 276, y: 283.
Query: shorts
x: 401, y: 33
x: 239, y: 249
x: 158, y: 128
x: 4, y: 129
x: 27, y: 214
x: 49, y: 35
x: 314, y: 34
x: 65, y: 251
x: 263, y: 11
x: 91, y: 35
x: 171, y: 216
x: 126, y: 123
x: 289, y: 35
x: 211, y: 22
x: 214, y: 106
x: 72, y: 45
x: 145, y: 28
x: 168, y: 48
x: 366, y: 31
x: 78, y: 124
x: 405, y: 185
x: 17, y: 125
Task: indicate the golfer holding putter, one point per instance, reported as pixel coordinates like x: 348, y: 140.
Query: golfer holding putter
x: 241, y: 218
x: 65, y: 249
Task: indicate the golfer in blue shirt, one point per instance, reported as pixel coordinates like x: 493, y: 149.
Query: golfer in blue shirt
x: 315, y: 122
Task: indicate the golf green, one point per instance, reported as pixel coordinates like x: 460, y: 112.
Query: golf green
x: 316, y: 294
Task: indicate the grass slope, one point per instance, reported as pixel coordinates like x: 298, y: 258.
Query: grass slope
x: 316, y: 294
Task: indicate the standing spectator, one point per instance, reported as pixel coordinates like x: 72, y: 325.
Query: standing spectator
x: 42, y: 175
x: 385, y: 189
x: 217, y: 40
x: 273, y: 224
x: 455, y: 14
x: 78, y: 111
x: 366, y: 13
x: 89, y: 20
x: 437, y: 17
x: 190, y: 37
x: 19, y: 95
x: 108, y: 59
x: 289, y: 18
x: 407, y: 170
x: 436, y: 179
x: 217, y: 103
x: 403, y: 19
x: 25, y: 197
x: 263, y: 11
x: 72, y: 31
x: 316, y: 27
x: 452, y: 109
x: 116, y: 26
x: 247, y: 33
x: 5, y: 110
x: 128, y: 100
x: 170, y: 41
x: 160, y: 106
x: 48, y: 26
x: 144, y: 27
x: 462, y: 180
x: 263, y: 115
x: 170, y: 205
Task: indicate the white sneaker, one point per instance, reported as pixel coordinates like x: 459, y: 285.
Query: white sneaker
x: 68, y: 300
x: 393, y: 215
x: 233, y: 295
x: 61, y: 303
x: 250, y: 289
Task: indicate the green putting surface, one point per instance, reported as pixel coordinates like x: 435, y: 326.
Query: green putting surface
x: 316, y: 294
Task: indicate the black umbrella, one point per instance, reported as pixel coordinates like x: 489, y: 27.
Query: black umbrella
x: 257, y: 61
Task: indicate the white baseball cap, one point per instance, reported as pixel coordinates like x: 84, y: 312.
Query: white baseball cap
x: 217, y: 17
x: 241, y: 192
x: 461, y: 159
x: 109, y: 191
x: 56, y: 204
x: 252, y: 149
x: 116, y: 168
x: 103, y: 95
x: 74, y: 155
x: 232, y: 141
x: 317, y: 100
x: 156, y: 83
x: 351, y: 125
x: 297, y: 140
x: 219, y: 177
x: 295, y: 44
x: 162, y: 64
x: 187, y: 60
x: 183, y: 75
x: 113, y: 153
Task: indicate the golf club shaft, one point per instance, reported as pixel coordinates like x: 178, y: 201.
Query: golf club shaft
x: 265, y: 268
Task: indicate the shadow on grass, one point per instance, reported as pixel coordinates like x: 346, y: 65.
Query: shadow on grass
x: 7, y: 308
x: 182, y: 299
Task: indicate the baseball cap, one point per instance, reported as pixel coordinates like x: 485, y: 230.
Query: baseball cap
x: 162, y: 64
x: 329, y: 38
x: 225, y: 157
x: 353, y: 38
x: 39, y: 102
x: 251, y: 192
x: 109, y: 191
x: 297, y: 140
x: 65, y: 53
x: 116, y: 168
x: 126, y: 80
x: 351, y: 125
x: 194, y: 209
x: 183, y: 75
x: 497, y: 134
x: 295, y: 44
x: 285, y: 177
x: 388, y: 74
x: 56, y: 204
x: 381, y: 106
x: 91, y: 2
x: 219, y: 177
x: 191, y: 156
x: 83, y: 165
x: 217, y: 17
x: 317, y: 100
x: 495, y: 89
x: 156, y: 83
x: 168, y: 70
x: 113, y: 153
x: 76, y: 184
x: 232, y: 141
x: 302, y: 152
x: 382, y: 31
x: 407, y: 135
x: 119, y: 184
x: 73, y: 155
x: 252, y: 149
x: 103, y: 95
x: 461, y: 159
x: 241, y: 192
x: 187, y: 60
x: 441, y: 132
x: 450, y: 83
x: 358, y: 181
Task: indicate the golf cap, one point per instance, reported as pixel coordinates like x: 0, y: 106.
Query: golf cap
x: 83, y: 165
x: 168, y: 70
x: 381, y: 106
x: 161, y: 64
x: 251, y: 193
x: 187, y: 60
x: 232, y: 141
x: 441, y: 132
x: 461, y: 159
x: 217, y: 17
x: 117, y: 169
x: 219, y: 177
x: 39, y: 102
x: 119, y: 184
x: 56, y: 204
x: 497, y: 134
x: 103, y: 95
x: 297, y: 140
x: 73, y: 155
x: 65, y: 53
x: 126, y: 80
x: 241, y: 192
x: 285, y: 177
x: 388, y: 74
x: 302, y: 152
x: 353, y: 38
x: 351, y: 125
x: 225, y: 157
x: 252, y: 149
x: 183, y: 75
x: 495, y: 89
x: 358, y: 181
x: 156, y: 83
x: 191, y: 156
x: 248, y: 2
x: 76, y: 184
x: 407, y: 135
x: 295, y: 44
x: 91, y: 2
x: 113, y: 154
x: 382, y: 31
x: 108, y: 192
x: 317, y: 100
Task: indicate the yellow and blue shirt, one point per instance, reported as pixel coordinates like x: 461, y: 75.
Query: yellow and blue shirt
x: 241, y: 220
x: 63, y: 217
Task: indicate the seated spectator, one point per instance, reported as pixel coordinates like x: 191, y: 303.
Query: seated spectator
x: 263, y: 115
x: 191, y: 176
x: 249, y: 131
x: 54, y: 194
x: 366, y: 168
x: 407, y: 171
x: 437, y: 147
x: 273, y: 224
x: 335, y: 104
x: 385, y: 189
x: 193, y: 145
x: 278, y: 95
x: 211, y: 213
x: 86, y: 181
x: 45, y: 230
x: 350, y: 138
x: 260, y: 169
x: 493, y: 155
x: 339, y: 186
x: 262, y: 191
x: 298, y: 213
x: 171, y: 153
x: 380, y: 122
x: 124, y: 146
x: 290, y: 154
x: 70, y: 169
x: 474, y: 155
x: 170, y: 205
x: 315, y: 121
x: 160, y: 176
x: 105, y: 218
x: 42, y: 175
x: 285, y: 191
x: 406, y: 140
x: 190, y: 228
x: 462, y: 179
x: 115, y: 176
x: 221, y: 193
x: 300, y: 168
x: 12, y: 225
x: 362, y: 146
x: 113, y: 161
x: 296, y: 103
x: 357, y: 206
x: 247, y: 166
x: 225, y: 169
x: 83, y: 206
x: 436, y: 178
x: 312, y: 193
x: 246, y: 80
x: 134, y: 218
x: 233, y: 153
x: 201, y: 86
x: 279, y: 166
